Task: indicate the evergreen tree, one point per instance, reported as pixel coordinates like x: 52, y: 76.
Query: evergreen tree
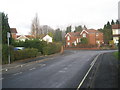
x: 85, y: 28
x: 117, y: 22
x: 68, y: 29
x: 58, y: 35
x: 78, y: 28
x: 5, y: 29
x: 112, y: 23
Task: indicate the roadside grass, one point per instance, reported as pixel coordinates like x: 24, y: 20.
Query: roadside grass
x: 116, y: 54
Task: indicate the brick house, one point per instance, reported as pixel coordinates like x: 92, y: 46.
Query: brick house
x: 13, y: 33
x: 116, y: 33
x: 94, y: 37
x: 72, y: 38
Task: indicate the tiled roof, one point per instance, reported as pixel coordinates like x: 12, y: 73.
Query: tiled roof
x: 117, y: 26
x: 93, y: 31
x: 28, y: 36
x: 13, y: 30
x: 74, y: 33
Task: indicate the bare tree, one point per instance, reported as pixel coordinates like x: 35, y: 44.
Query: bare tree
x: 35, y: 27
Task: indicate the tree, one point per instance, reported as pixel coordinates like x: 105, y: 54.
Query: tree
x: 5, y: 29
x: 112, y: 22
x: 78, y: 28
x: 107, y: 32
x: 85, y: 28
x: 117, y: 22
x: 58, y: 35
x: 35, y: 27
x: 68, y: 29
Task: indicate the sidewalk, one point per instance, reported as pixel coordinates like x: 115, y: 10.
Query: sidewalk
x: 107, y: 73
x: 26, y: 61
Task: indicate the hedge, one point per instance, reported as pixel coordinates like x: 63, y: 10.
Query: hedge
x: 52, y: 48
x: 5, y: 52
x: 26, y: 53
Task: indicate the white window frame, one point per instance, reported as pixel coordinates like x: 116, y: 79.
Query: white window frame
x: 68, y: 38
x: 68, y: 43
x: 84, y: 35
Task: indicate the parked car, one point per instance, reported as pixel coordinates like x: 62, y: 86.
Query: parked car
x: 18, y: 48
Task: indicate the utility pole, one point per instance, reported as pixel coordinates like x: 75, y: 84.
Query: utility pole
x: 8, y: 36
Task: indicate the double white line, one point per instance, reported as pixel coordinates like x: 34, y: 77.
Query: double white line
x: 92, y: 64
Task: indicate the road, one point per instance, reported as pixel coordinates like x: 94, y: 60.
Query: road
x: 63, y: 71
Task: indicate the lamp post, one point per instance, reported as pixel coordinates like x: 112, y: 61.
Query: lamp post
x: 8, y: 36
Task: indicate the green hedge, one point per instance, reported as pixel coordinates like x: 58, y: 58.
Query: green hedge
x: 26, y: 53
x: 5, y: 52
x: 52, y: 48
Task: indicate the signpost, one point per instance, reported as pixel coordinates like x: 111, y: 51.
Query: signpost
x: 8, y: 36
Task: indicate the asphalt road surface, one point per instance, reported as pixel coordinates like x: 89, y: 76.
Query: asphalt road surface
x: 63, y: 71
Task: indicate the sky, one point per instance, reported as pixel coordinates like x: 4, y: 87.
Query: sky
x: 59, y: 13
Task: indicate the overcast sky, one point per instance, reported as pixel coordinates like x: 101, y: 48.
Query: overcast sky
x: 59, y: 13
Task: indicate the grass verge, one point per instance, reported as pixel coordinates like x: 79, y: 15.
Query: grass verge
x: 116, y: 54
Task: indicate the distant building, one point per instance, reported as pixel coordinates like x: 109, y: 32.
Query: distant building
x: 24, y: 37
x: 94, y: 37
x: 116, y: 33
x: 47, y: 38
x: 13, y: 33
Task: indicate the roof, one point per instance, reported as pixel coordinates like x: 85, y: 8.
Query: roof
x: 74, y: 33
x: 28, y: 36
x: 90, y: 31
x: 13, y: 30
x: 116, y: 26
x: 93, y: 31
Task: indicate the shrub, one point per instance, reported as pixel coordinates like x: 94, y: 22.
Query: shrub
x: 52, y: 48
x: 26, y: 53
x: 84, y: 41
x: 5, y: 52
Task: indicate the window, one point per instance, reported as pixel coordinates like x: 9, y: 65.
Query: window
x: 97, y: 34
x: 68, y: 43
x: 77, y: 40
x: 68, y: 38
x: 84, y: 34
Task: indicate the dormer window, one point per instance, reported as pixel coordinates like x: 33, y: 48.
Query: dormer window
x: 84, y: 34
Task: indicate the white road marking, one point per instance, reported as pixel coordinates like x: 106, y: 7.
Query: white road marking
x: 6, y: 70
x: 43, y: 65
x: 17, y: 73
x: 32, y: 69
x: 92, y: 64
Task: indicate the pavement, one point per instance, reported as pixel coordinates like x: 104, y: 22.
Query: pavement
x: 63, y: 71
x: 107, y: 74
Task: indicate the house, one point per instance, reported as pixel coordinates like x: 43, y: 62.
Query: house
x: 47, y: 38
x: 13, y: 33
x: 24, y: 37
x: 72, y: 38
x: 94, y: 37
x: 116, y: 33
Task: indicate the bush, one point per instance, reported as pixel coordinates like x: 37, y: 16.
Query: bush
x: 36, y: 43
x: 52, y: 48
x: 5, y: 52
x: 84, y: 41
x: 26, y: 53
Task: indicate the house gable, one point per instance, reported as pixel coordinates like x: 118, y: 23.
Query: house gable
x: 83, y: 32
x: 47, y: 38
x: 67, y: 35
